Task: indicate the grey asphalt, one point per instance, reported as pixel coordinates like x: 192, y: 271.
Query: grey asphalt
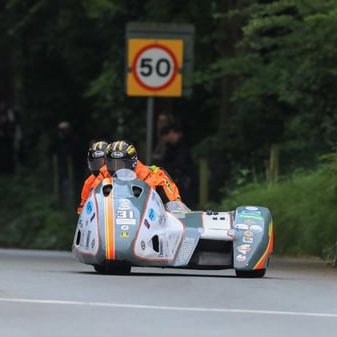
x: 50, y: 294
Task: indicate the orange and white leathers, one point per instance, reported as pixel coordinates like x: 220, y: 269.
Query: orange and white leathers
x: 154, y: 176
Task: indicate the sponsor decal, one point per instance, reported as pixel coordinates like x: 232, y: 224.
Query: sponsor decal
x: 248, y: 234
x: 80, y: 223
x: 125, y: 204
x: 250, y: 216
x: 93, y: 243
x: 241, y: 226
x: 142, y: 245
x: 88, y: 208
x: 98, y: 154
x: 93, y: 217
x: 245, y: 211
x: 82, y: 239
x: 241, y: 258
x: 125, y: 221
x: 161, y: 250
x: 244, y: 249
x: 250, y: 222
x: 88, y: 239
x: 186, y: 249
x: 168, y: 184
x: 125, y: 217
x: 247, y: 240
x: 125, y: 227
x: 152, y: 214
x: 252, y: 208
x: 117, y: 154
x: 146, y: 223
x: 86, y: 223
x: 124, y: 235
x: 256, y: 228
x: 161, y: 220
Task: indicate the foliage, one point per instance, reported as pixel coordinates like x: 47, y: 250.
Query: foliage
x: 264, y: 74
x: 31, y: 217
x: 303, y: 206
x: 286, y: 66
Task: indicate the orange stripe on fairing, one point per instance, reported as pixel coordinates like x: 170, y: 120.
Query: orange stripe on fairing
x: 260, y: 264
x: 109, y: 226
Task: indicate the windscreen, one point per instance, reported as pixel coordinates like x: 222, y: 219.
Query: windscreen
x: 125, y: 174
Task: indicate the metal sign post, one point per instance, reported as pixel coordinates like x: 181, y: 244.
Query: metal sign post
x: 149, y: 129
x: 159, y: 64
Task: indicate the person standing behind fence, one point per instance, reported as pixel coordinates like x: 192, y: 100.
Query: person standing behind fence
x: 164, y: 120
x: 177, y: 160
x: 67, y: 158
x: 7, y: 139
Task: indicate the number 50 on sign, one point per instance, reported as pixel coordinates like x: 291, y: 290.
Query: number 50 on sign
x: 154, y: 67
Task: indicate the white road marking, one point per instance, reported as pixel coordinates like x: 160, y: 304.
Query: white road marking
x: 170, y: 308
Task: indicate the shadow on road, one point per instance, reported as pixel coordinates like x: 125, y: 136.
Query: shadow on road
x: 165, y: 275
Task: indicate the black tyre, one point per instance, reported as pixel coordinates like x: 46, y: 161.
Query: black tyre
x: 113, y: 269
x: 250, y: 273
x: 100, y: 269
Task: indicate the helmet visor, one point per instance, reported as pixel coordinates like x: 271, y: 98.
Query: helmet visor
x: 114, y: 164
x: 95, y: 164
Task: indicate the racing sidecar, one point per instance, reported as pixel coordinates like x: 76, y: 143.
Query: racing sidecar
x: 124, y: 223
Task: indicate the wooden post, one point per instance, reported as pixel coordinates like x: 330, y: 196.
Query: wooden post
x: 56, y: 185
x: 71, y: 187
x: 274, y: 163
x: 334, y: 263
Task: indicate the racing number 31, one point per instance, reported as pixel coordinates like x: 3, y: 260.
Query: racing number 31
x: 154, y: 67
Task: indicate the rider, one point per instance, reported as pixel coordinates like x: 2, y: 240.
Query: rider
x: 121, y: 154
x: 96, y: 165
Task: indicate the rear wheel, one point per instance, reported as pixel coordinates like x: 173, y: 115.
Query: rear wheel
x: 113, y: 269
x: 250, y: 273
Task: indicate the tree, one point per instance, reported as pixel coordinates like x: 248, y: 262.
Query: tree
x: 285, y: 65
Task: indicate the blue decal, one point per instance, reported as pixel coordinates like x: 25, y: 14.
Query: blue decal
x: 247, y: 211
x: 88, y: 208
x: 152, y: 214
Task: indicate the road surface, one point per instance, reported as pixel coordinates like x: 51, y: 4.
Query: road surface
x: 50, y: 294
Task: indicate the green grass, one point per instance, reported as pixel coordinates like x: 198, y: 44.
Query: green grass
x: 304, y: 210
x: 30, y: 216
x: 303, y: 205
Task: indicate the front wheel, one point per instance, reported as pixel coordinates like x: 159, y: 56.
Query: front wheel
x: 258, y: 273
x: 113, y: 269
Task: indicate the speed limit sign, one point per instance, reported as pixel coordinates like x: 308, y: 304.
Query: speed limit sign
x: 154, y: 67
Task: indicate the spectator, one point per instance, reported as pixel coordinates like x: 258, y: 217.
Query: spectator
x: 164, y: 120
x: 7, y: 139
x: 177, y: 160
x: 67, y: 164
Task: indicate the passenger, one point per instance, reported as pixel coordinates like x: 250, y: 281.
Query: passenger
x: 96, y: 165
x: 121, y: 154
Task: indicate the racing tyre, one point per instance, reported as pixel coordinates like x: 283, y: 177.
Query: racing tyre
x: 113, y: 270
x: 250, y: 273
